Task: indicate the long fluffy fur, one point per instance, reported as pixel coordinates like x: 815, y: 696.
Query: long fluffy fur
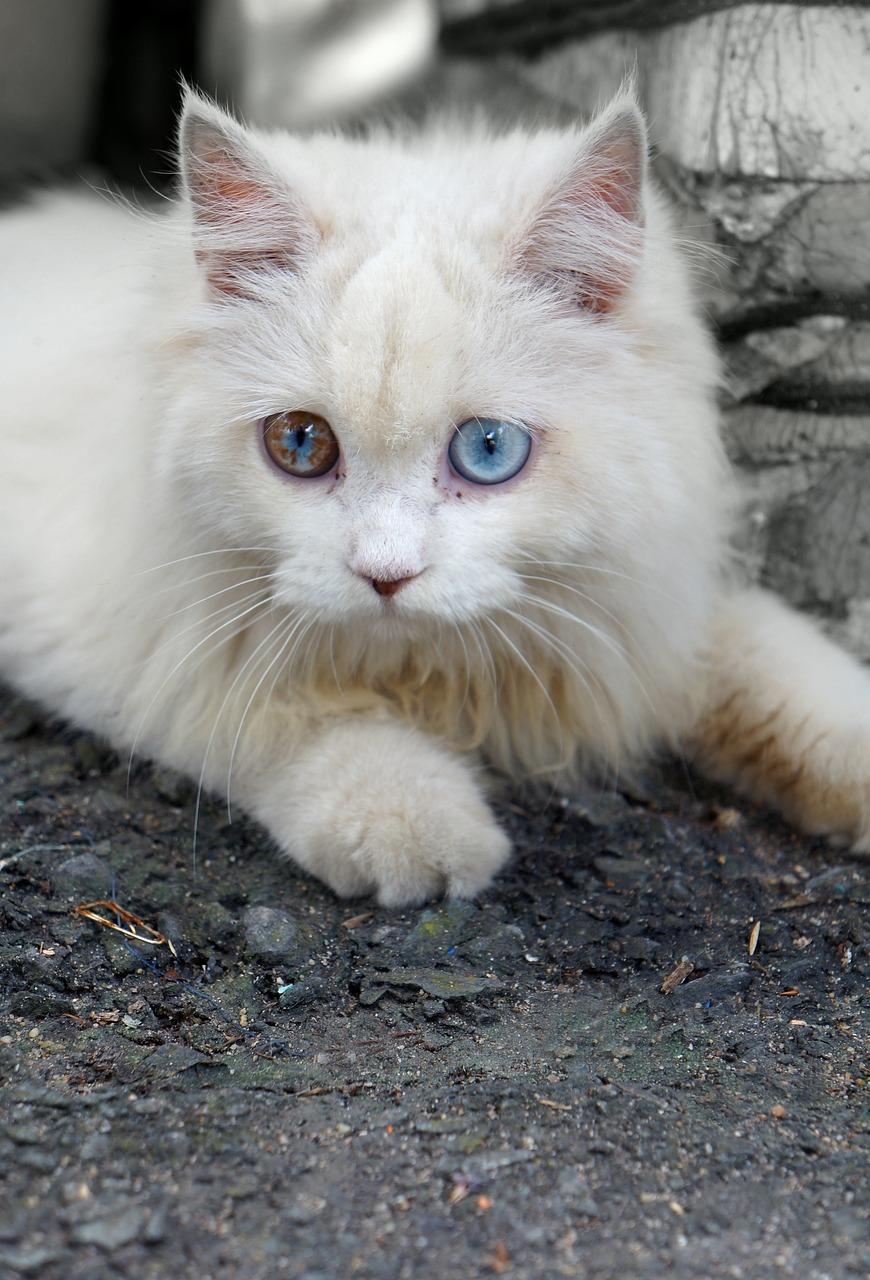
x: 162, y: 585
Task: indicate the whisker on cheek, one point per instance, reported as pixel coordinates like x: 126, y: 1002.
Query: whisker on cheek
x: 246, y: 614
x: 240, y: 675
x: 235, y: 586
x: 280, y: 644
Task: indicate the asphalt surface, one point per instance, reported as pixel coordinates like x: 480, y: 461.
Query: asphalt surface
x: 308, y: 1088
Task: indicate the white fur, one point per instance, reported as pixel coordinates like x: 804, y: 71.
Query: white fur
x: 138, y: 513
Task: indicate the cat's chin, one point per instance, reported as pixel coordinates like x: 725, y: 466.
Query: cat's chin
x: 398, y: 623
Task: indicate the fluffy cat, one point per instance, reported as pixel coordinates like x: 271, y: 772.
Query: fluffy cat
x: 377, y: 458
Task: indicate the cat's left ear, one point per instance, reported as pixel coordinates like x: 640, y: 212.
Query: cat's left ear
x: 246, y: 219
x: 588, y: 236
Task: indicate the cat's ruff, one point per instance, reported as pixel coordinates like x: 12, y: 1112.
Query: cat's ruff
x: 162, y: 583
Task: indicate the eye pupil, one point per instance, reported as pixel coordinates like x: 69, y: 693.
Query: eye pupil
x: 488, y: 451
x: 300, y: 443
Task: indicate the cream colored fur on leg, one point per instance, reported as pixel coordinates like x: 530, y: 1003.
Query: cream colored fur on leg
x: 376, y: 807
x: 787, y: 718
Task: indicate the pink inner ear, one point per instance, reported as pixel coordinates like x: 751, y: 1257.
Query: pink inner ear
x: 233, y: 188
x: 589, y: 235
x: 246, y: 221
x: 616, y: 175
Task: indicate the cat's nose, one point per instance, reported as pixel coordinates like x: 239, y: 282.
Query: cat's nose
x: 389, y: 586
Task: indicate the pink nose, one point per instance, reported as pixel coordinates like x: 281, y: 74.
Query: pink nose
x: 389, y: 586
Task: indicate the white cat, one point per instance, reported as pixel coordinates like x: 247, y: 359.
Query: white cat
x: 375, y: 458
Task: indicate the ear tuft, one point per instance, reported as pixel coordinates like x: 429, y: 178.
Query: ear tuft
x: 246, y: 219
x: 589, y: 234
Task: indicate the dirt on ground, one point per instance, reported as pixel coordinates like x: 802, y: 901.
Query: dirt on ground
x: 641, y: 1053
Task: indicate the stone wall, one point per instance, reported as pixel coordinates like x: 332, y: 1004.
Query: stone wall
x: 760, y: 120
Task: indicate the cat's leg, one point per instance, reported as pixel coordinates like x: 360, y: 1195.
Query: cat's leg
x: 373, y: 806
x: 786, y: 718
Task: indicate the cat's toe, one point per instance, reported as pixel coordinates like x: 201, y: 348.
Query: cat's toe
x: 428, y: 856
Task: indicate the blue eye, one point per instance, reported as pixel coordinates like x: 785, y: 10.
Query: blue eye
x: 487, y: 451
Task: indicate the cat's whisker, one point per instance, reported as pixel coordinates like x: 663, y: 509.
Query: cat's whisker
x: 200, y: 577
x: 245, y: 613
x: 332, y: 659
x: 544, y: 690
x: 595, y: 568
x: 234, y: 586
x: 564, y: 586
x: 282, y: 668
x: 280, y: 644
x: 467, y: 665
x: 204, y: 621
x: 600, y: 635
x: 485, y: 653
x: 240, y: 675
x: 196, y: 555
x: 584, y: 595
x: 565, y: 654
x: 308, y: 647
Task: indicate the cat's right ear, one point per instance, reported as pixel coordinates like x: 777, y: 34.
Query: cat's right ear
x: 246, y: 220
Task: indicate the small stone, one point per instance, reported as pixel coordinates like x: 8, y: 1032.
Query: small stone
x: 178, y: 934
x: 441, y: 927
x: 640, y: 948
x: 621, y: 871
x: 441, y: 1124
x: 175, y: 788
x: 28, y: 1262
x: 440, y: 983
x: 271, y: 934
x: 94, y: 1147
x: 155, y: 1227
x: 298, y: 995
x: 39, y: 1004
x: 178, y: 1059
x: 501, y: 943
x: 38, y: 1161
x: 19, y: 719
x: 113, y: 1231
x: 75, y: 1193
x: 83, y: 876
x: 597, y: 807
x: 718, y: 985
x: 24, y: 1135
x: 91, y: 755
x: 679, y: 891
x: 121, y: 959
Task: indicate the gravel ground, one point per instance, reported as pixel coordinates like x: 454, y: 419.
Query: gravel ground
x: 316, y: 1089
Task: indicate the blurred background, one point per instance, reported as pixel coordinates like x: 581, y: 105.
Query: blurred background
x: 760, y: 122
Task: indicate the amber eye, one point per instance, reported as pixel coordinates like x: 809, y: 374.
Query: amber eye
x: 301, y: 443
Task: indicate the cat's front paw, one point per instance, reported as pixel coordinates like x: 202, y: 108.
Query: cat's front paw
x: 830, y: 791
x: 379, y: 809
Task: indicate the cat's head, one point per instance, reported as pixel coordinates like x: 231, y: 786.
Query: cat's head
x: 430, y: 362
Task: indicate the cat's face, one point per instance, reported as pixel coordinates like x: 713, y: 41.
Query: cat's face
x: 423, y: 373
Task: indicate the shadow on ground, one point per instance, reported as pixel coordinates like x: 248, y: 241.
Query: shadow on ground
x: 316, y: 1089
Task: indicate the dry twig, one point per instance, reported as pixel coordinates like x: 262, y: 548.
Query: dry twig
x: 152, y: 937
